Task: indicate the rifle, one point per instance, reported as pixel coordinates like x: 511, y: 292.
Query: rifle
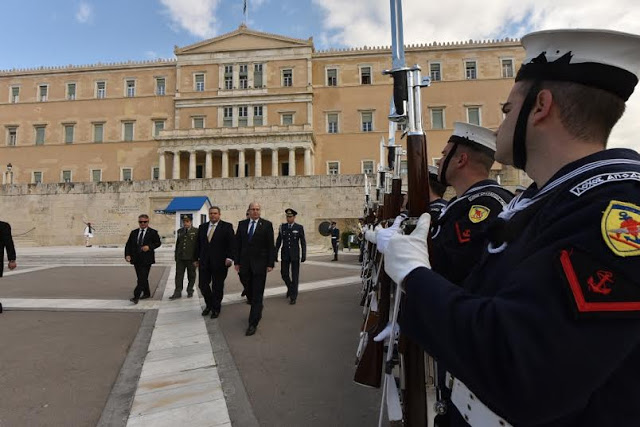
x: 407, y: 83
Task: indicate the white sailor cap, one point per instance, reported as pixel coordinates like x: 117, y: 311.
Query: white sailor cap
x: 468, y: 134
x: 608, y: 60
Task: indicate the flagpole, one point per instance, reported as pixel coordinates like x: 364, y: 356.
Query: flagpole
x: 245, y: 10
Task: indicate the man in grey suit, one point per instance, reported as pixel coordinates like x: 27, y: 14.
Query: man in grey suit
x: 6, y: 243
x: 255, y: 257
x: 291, y: 237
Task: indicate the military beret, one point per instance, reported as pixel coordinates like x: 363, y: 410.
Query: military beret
x: 290, y: 211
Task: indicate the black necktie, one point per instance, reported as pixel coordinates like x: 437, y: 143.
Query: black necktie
x: 140, y: 237
x: 251, y: 229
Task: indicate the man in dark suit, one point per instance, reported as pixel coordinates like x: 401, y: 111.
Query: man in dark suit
x: 140, y: 251
x: 255, y: 257
x: 291, y: 237
x: 214, y: 254
x: 6, y: 243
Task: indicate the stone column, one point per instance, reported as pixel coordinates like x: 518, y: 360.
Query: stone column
x: 258, y: 154
x: 208, y: 164
x: 307, y: 161
x: 241, y: 163
x: 176, y: 165
x: 292, y: 162
x: 192, y: 164
x: 225, y: 163
x: 162, y: 169
x: 274, y: 162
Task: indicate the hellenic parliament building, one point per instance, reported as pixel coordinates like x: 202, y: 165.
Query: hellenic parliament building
x: 240, y: 117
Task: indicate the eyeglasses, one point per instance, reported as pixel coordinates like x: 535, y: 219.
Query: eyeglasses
x: 142, y: 222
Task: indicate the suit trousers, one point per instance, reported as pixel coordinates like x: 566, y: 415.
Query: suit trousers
x: 211, y: 284
x: 181, y: 265
x: 290, y: 281
x: 255, y: 282
x: 142, y: 287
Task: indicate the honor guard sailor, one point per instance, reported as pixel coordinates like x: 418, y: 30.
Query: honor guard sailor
x: 294, y: 251
x: 545, y: 331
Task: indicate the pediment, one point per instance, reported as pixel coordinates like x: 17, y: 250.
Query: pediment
x: 243, y: 39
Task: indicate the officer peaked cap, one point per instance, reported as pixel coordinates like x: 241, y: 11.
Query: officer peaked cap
x: 187, y: 217
x: 603, y: 59
x: 290, y: 211
x: 468, y: 134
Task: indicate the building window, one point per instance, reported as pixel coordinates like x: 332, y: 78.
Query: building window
x: 71, y: 91
x: 365, y: 75
x: 15, y: 94
x: 199, y: 82
x: 127, y: 131
x: 131, y: 88
x: 68, y: 133
x: 258, y: 118
x: 161, y: 86
x: 37, y: 177
x: 332, y: 77
x: 257, y: 75
x: 198, y: 122
x: 127, y: 174
x: 332, y: 123
x: 436, y: 71
x: 96, y: 175
x: 507, y: 68
x: 228, y: 77
x: 40, y: 135
x: 158, y: 125
x: 287, y: 119
x: 227, y: 117
x: 333, y: 168
x: 101, y: 90
x: 66, y: 176
x: 367, y: 167
x: 98, y: 132
x: 199, y: 171
x: 155, y: 173
x: 404, y: 168
x: 437, y: 118
x: 287, y: 77
x: 471, y: 70
x: 367, y: 121
x: 12, y: 136
x: 473, y: 115
x: 243, y: 76
x: 243, y: 116
x: 43, y: 91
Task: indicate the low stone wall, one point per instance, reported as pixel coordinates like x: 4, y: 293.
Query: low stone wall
x: 54, y: 214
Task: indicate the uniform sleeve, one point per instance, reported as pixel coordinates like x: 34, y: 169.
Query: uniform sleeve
x: 523, y: 351
x: 303, y: 243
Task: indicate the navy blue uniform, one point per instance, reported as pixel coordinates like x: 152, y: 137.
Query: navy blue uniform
x: 335, y: 241
x: 294, y: 250
x: 546, y: 330
x: 436, y: 207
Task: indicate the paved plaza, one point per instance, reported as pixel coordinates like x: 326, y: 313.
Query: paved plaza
x: 76, y: 352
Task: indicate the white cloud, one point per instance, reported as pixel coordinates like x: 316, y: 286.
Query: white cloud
x: 84, y: 13
x: 195, y: 16
x: 366, y: 22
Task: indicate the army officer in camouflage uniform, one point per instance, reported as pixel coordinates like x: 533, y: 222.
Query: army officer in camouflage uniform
x: 185, y: 256
x: 291, y: 237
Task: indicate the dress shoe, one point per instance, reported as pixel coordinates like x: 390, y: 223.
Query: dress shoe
x: 243, y: 293
x: 145, y: 296
x: 250, y: 330
x: 206, y: 311
x: 134, y: 300
x: 293, y: 301
x: 215, y: 314
x: 189, y: 294
x: 175, y: 296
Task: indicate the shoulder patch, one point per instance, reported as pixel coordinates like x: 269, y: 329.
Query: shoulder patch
x: 597, y: 290
x: 478, y: 213
x: 620, y: 227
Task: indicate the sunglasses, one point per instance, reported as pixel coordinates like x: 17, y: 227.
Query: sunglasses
x: 142, y: 222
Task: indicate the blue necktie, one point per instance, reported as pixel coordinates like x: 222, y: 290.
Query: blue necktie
x: 251, y: 229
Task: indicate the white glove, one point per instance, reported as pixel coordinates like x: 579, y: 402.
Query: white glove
x: 369, y: 235
x: 385, y: 234
x: 386, y: 333
x: 406, y: 253
x: 372, y: 234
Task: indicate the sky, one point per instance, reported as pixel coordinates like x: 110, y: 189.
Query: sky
x: 38, y: 33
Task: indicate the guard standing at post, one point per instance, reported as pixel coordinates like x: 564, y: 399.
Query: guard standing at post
x: 185, y: 256
x: 545, y: 331
x: 294, y: 251
x: 335, y: 239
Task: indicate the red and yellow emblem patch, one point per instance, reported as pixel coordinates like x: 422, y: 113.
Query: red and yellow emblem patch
x: 621, y: 228
x: 478, y: 213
